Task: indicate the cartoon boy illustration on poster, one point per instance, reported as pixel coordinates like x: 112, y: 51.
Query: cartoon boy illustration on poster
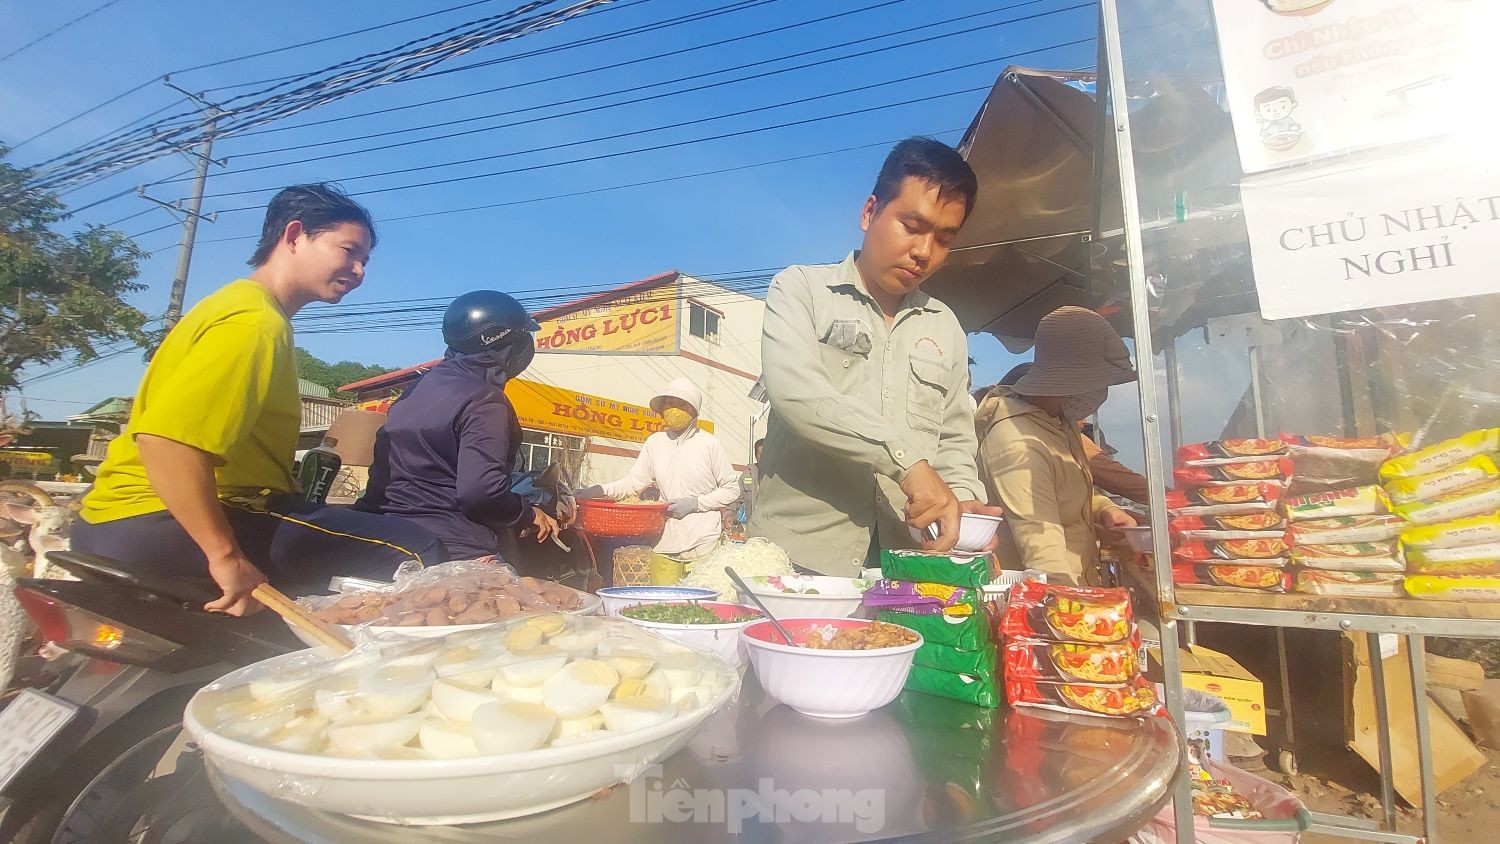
x: 1273, y: 108
x: 1295, y: 7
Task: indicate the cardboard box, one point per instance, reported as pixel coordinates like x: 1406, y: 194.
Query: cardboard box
x: 1218, y: 674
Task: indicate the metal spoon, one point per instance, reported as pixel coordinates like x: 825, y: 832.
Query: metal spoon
x: 733, y: 575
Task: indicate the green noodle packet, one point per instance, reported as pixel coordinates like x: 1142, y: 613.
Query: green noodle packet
x: 961, y: 632
x: 980, y: 663
x: 922, y: 567
x: 966, y: 725
x: 964, y: 687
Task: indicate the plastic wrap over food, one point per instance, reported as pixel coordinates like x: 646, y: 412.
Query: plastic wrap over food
x: 1351, y: 556
x: 454, y: 593
x: 1350, y: 584
x: 1072, y: 662
x: 1067, y: 614
x: 1476, y: 470
x: 1356, y: 501
x: 539, y: 680
x: 1121, y: 700
x: 1344, y: 529
x: 1252, y: 578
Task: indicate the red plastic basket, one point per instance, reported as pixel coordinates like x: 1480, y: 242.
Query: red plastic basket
x: 608, y: 518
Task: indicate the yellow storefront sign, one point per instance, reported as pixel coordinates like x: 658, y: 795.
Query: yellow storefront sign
x: 26, y: 458
x: 541, y: 407
x: 645, y: 323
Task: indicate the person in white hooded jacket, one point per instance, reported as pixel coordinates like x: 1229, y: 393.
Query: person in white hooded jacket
x: 689, y: 467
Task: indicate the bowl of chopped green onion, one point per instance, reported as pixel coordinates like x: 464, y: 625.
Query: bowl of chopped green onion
x: 704, y: 625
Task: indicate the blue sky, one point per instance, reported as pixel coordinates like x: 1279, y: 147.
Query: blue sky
x: 761, y: 217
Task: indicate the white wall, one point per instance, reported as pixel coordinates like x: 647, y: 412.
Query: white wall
x: 636, y: 378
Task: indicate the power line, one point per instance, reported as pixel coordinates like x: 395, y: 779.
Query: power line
x: 612, y: 155
x: 616, y: 65
x: 638, y: 100
x: 51, y: 32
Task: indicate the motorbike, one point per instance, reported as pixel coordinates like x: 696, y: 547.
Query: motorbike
x: 124, y: 653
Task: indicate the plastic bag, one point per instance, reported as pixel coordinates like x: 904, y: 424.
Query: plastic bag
x: 1067, y: 614
x: 1347, y: 529
x: 460, y: 592
x: 1354, y: 501
x: 968, y: 688
x: 1480, y: 530
x: 1473, y: 471
x: 922, y: 567
x: 1070, y: 662
x: 1284, y: 814
x: 1443, y: 455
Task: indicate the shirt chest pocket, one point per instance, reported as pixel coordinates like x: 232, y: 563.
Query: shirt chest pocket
x: 926, y: 396
x: 844, y: 348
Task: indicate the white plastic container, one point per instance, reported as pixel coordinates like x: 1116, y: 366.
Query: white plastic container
x: 975, y: 532
x: 830, y: 597
x: 826, y: 683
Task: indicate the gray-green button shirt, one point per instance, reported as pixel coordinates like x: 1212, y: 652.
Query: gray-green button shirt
x: 853, y: 406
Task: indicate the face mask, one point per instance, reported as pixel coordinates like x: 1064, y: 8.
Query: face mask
x: 1084, y: 405
x: 677, y: 419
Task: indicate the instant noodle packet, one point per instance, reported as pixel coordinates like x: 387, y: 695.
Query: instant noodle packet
x: 1343, y: 529
x: 1350, y: 584
x: 964, y: 687
x: 964, y: 632
x: 1224, y: 500
x: 1356, y: 501
x: 1460, y: 554
x: 1134, y: 699
x: 1231, y: 473
x: 1251, y: 578
x: 1479, y: 530
x: 1267, y: 547
x: 923, y: 598
x: 981, y: 663
x: 1443, y: 455
x: 1071, y: 662
x: 1437, y: 588
x: 1229, y: 449
x: 1266, y: 520
x: 1483, y: 499
x: 1461, y: 568
x: 1335, y: 462
x: 1066, y: 613
x: 1351, y: 556
x: 922, y: 567
x: 1475, y: 470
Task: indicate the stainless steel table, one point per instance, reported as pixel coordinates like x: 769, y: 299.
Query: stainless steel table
x: 923, y: 768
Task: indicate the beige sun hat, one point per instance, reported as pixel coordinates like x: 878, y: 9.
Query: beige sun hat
x: 680, y: 388
x: 1076, y: 352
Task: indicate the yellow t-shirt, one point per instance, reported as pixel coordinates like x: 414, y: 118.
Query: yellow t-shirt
x: 224, y: 381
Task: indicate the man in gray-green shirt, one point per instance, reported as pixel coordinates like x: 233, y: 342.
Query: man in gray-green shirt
x: 871, y: 430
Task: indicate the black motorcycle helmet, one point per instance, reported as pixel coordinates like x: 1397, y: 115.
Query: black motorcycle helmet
x: 491, y: 321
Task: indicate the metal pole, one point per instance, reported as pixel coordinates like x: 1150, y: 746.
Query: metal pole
x: 1382, y: 730
x: 1174, y: 400
x: 190, y: 225
x: 1416, y: 655
x: 1135, y: 252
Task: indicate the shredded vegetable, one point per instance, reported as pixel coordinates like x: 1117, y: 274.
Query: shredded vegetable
x: 682, y: 614
x: 756, y: 558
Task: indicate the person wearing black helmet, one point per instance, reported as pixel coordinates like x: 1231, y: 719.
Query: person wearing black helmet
x: 445, y: 456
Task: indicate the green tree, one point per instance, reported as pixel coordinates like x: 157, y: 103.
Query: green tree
x: 334, y: 375
x: 61, y: 295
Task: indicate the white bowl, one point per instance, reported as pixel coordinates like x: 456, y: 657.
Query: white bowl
x: 722, y: 639
x: 617, y: 598
x: 826, y: 683
x: 975, y: 532
x: 443, y: 791
x: 590, y: 606
x: 836, y: 597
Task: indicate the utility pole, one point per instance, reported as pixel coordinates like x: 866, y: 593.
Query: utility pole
x: 191, y: 214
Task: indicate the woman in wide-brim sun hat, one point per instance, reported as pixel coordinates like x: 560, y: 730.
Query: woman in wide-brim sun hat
x: 1031, y: 454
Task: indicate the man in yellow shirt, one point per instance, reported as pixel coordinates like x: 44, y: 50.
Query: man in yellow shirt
x: 200, y: 481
